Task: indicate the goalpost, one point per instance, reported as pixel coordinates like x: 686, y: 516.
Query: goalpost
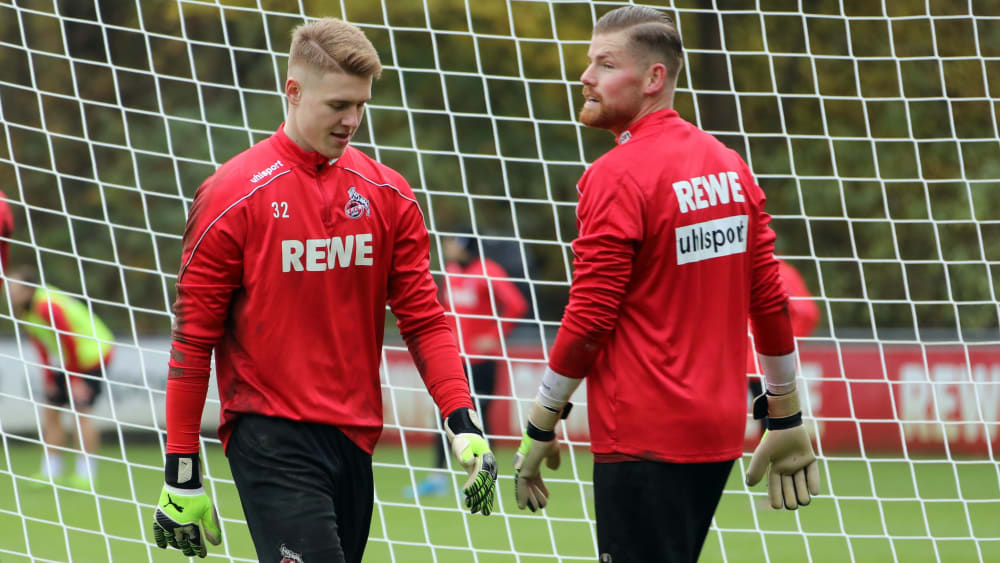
x: 871, y: 126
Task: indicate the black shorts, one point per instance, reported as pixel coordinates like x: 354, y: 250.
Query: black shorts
x: 306, y: 489
x: 649, y: 511
x: 57, y: 392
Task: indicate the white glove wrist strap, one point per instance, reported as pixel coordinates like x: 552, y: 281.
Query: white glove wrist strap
x: 779, y: 372
x: 555, y: 390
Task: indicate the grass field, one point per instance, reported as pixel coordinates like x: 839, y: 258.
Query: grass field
x: 923, y: 510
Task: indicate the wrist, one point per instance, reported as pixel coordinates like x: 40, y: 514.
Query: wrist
x: 464, y: 420
x: 782, y: 411
x: 780, y: 406
x: 555, y: 389
x: 542, y: 417
x: 542, y: 420
x: 779, y: 372
x: 183, y: 471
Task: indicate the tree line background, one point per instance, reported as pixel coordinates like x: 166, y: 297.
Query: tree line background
x: 871, y: 128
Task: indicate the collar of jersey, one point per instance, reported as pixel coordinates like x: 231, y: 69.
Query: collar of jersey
x: 647, y: 122
x: 294, y: 153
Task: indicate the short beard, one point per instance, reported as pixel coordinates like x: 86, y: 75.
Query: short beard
x: 598, y: 119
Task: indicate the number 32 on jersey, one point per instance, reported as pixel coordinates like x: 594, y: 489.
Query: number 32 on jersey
x: 280, y: 209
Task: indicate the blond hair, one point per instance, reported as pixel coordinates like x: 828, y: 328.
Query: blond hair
x: 649, y: 30
x: 333, y: 45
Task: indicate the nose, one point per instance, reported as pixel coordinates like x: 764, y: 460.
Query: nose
x: 352, y: 118
x: 587, y: 76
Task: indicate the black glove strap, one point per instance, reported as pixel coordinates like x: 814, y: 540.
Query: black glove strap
x: 459, y: 422
x: 536, y: 433
x: 785, y: 422
x: 183, y: 466
x: 539, y: 435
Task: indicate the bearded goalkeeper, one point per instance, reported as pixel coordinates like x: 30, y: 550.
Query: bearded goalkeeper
x: 291, y: 252
x: 674, y: 253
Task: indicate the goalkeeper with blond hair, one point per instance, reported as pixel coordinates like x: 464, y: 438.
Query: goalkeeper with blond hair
x: 291, y: 252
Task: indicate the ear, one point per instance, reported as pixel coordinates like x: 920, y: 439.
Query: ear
x: 655, y: 79
x: 293, y: 90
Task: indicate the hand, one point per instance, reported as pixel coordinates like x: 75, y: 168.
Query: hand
x: 537, y: 443
x: 473, y: 452
x: 785, y: 452
x: 180, y: 516
x: 529, y: 489
x: 184, y: 515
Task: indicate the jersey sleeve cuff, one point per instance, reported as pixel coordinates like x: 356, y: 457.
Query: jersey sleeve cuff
x: 572, y: 354
x: 772, y: 333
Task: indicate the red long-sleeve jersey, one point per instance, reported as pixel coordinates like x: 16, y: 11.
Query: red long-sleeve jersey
x: 470, y: 294
x: 674, y: 250
x: 288, y: 263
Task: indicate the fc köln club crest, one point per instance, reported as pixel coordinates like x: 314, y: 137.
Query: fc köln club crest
x: 357, y: 205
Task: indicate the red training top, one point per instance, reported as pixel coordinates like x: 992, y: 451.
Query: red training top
x: 289, y: 260
x: 470, y: 292
x: 674, y: 250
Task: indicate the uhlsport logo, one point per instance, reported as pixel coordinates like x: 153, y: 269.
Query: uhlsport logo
x: 357, y: 205
x: 266, y: 172
x: 711, y: 239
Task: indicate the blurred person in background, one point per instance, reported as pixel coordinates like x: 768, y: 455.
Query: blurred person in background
x: 74, y: 347
x: 6, y: 230
x: 477, y: 292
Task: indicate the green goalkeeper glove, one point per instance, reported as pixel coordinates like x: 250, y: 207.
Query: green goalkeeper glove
x: 785, y: 452
x: 538, y: 443
x: 184, y: 511
x: 465, y: 434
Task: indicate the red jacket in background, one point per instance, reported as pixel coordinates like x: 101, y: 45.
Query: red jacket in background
x: 469, y: 293
x: 6, y: 230
x: 288, y: 263
x: 674, y: 250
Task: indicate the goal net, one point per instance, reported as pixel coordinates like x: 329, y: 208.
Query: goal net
x: 871, y: 126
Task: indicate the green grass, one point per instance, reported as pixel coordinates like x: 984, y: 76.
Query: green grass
x: 885, y: 510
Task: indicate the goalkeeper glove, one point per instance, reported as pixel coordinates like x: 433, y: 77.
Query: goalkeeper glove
x: 537, y: 443
x: 785, y: 452
x: 465, y: 434
x: 184, y: 512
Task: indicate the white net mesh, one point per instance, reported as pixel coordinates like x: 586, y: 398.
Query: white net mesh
x: 872, y: 127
